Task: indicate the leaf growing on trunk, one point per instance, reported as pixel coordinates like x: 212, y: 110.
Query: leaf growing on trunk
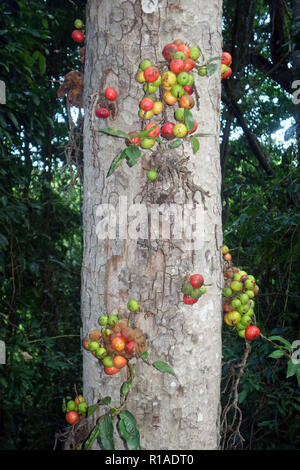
x: 211, y: 68
x: 115, y: 133
x: 133, y: 154
x: 128, y: 430
x: 195, y: 143
x: 189, y: 120
x: 176, y: 143
x: 163, y: 367
x: 106, y: 434
x: 116, y: 162
x: 214, y: 58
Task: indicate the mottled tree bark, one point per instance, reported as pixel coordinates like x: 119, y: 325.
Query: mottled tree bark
x: 171, y: 414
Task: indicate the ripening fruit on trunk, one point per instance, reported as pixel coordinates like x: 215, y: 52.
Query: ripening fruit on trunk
x: 156, y: 130
x: 133, y: 140
x: 177, y: 90
x: 140, y: 76
x: 72, y: 417
x: 120, y: 361
x: 179, y: 55
x: 252, y: 332
x: 144, y: 64
x: 152, y: 175
x: 147, y: 104
x: 236, y: 286
x: 224, y: 69
x: 169, y: 50
x: 93, y: 345
x: 82, y: 407
x: 167, y: 130
x: 233, y: 317
x: 226, y: 58
x: 189, y: 64
x: 102, y: 113
x: 183, y: 78
x: 151, y: 73
x: 146, y: 114
x: 177, y: 65
x: 79, y: 399
x: 111, y: 370
x: 180, y: 130
x: 197, y: 280
x: 168, y: 79
x: 194, y: 52
x: 150, y: 87
x: 77, y: 36
x: 129, y: 348
x: 158, y: 107
x: 118, y: 344
x: 185, y: 49
x: 187, y: 101
x: 228, y: 73
x: 147, y: 143
x: 189, y: 89
x: 107, y: 361
x: 111, y: 94
x: 169, y: 98
x: 227, y: 292
x: 71, y: 405
x: 189, y: 300
x: 202, y: 71
x: 78, y: 24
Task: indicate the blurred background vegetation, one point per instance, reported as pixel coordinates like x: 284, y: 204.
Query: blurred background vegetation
x: 40, y: 220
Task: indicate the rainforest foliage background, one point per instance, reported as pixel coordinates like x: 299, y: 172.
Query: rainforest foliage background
x: 40, y: 219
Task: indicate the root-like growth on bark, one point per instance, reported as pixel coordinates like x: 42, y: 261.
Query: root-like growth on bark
x: 231, y: 418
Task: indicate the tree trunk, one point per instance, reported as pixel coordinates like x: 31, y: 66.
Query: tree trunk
x: 171, y: 414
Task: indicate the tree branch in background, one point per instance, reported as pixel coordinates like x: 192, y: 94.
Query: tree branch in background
x: 252, y: 141
x: 224, y: 147
x: 282, y: 77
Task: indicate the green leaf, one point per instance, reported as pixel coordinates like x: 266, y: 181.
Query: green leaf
x: 13, y: 119
x: 64, y: 405
x: 196, y: 144
x: 298, y: 376
x: 163, y: 367
x: 292, y: 369
x: 211, y: 68
x: 106, y: 434
x: 128, y: 430
x: 199, y: 134
x: 105, y: 401
x: 214, y: 58
x: 133, y: 154
x: 175, y: 143
x: 42, y: 64
x: 242, y: 396
x: 145, y: 355
x: 91, y: 409
x: 92, y: 437
x: 125, y: 388
x: 188, y: 119
x: 282, y: 340
x: 276, y: 354
x: 142, y: 134
x: 115, y: 133
x: 116, y: 162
